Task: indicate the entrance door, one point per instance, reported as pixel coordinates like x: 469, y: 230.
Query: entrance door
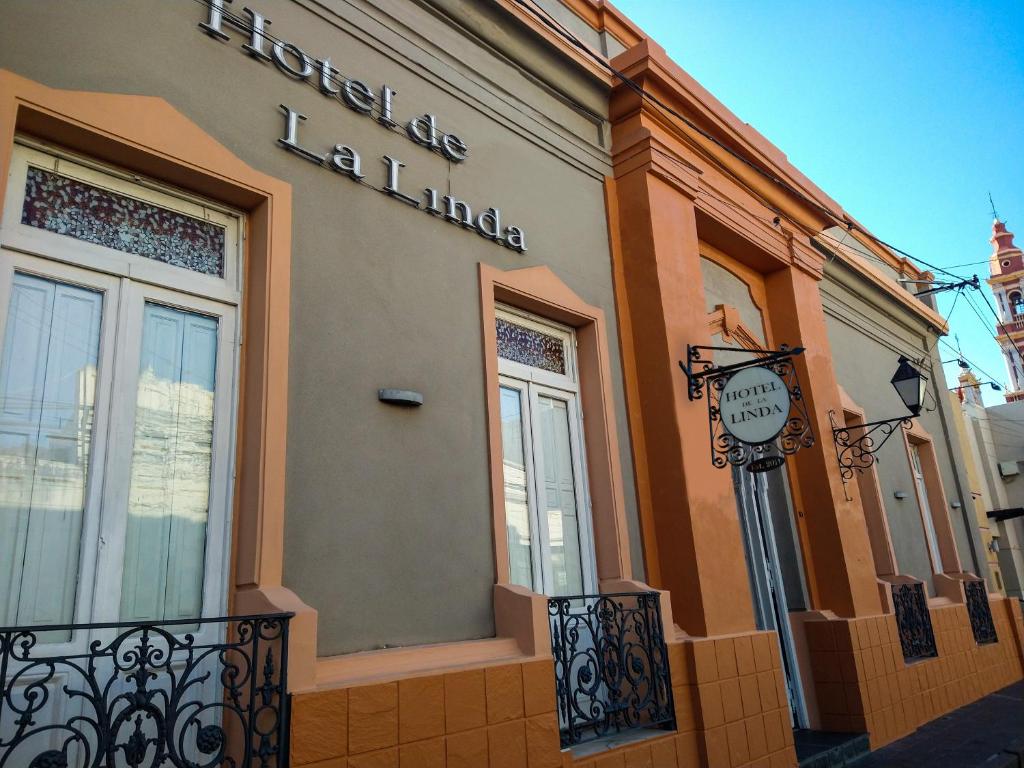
x: 759, y: 497
x: 117, y: 399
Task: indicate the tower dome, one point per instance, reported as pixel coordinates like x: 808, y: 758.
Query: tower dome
x: 1006, y: 257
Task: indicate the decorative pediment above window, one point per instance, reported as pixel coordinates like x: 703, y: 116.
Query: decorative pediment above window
x: 725, y: 322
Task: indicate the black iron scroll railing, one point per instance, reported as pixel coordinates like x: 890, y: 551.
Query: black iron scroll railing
x: 913, y: 621
x: 980, y: 613
x: 611, y: 665
x: 197, y: 693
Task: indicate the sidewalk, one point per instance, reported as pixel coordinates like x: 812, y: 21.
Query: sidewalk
x: 989, y: 733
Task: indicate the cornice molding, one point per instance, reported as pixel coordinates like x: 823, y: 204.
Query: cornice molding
x: 649, y: 65
x: 605, y: 17
x: 885, y: 284
x: 643, y: 151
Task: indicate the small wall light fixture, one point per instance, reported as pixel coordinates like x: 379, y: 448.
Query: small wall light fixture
x: 404, y: 397
x: 858, y: 453
x: 901, y: 495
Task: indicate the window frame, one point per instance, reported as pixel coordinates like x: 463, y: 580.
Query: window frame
x: 130, y: 279
x: 533, y: 383
x: 925, y: 507
x: 29, y: 239
x: 12, y: 263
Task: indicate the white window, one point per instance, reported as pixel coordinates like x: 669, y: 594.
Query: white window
x: 926, y: 510
x: 118, y: 325
x: 547, y: 516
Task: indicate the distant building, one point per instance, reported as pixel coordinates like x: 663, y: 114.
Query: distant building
x: 1007, y: 282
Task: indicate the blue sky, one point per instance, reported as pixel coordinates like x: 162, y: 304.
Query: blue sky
x: 907, y: 113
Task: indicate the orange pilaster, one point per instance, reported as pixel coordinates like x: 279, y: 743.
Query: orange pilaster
x: 834, y: 529
x: 691, y: 534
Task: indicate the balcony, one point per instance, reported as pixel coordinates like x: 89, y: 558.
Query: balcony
x: 189, y: 693
x: 980, y: 612
x: 611, y: 665
x: 913, y: 621
x: 1010, y: 326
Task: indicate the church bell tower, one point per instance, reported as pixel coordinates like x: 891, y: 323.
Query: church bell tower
x: 1006, y: 267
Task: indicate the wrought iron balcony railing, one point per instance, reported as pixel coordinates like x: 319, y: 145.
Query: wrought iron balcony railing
x: 611, y: 665
x: 196, y: 693
x: 980, y: 612
x: 913, y: 621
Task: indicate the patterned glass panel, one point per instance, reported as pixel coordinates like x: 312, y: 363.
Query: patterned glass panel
x: 530, y: 347
x: 70, y: 207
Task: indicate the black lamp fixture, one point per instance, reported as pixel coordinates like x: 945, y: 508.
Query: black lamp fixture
x: 909, y: 383
x: 856, y: 444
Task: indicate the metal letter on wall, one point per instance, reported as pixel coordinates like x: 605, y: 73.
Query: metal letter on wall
x: 756, y: 412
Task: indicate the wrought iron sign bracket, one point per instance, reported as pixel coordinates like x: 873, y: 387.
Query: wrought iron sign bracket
x: 858, y: 453
x: 756, y: 411
x: 699, y: 369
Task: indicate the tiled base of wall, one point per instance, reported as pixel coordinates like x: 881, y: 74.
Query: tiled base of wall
x: 863, y: 684
x: 494, y: 717
x: 737, y: 691
x: 729, y: 695
x: 729, y: 699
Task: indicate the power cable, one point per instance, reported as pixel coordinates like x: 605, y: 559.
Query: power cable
x: 549, y: 21
x: 1002, y: 326
x: 541, y: 14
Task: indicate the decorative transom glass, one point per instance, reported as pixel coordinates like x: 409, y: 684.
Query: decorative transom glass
x: 70, y: 207
x: 530, y: 347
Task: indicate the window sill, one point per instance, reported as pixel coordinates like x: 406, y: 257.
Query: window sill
x: 611, y: 743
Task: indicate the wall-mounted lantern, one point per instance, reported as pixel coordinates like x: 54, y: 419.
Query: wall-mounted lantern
x: 857, y: 444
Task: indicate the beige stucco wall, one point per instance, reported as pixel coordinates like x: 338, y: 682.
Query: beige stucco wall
x: 388, y: 530
x: 867, y: 334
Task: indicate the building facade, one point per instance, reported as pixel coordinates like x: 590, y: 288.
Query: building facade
x: 966, y: 399
x: 993, y: 433
x: 341, y: 366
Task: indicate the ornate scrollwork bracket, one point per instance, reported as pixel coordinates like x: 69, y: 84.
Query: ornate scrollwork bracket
x: 705, y: 379
x: 700, y: 369
x: 857, y: 444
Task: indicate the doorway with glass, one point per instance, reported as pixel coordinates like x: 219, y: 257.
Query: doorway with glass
x: 547, y: 520
x: 774, y: 565
x: 118, y: 365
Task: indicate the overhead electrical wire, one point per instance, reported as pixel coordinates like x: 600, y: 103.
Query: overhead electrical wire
x: 549, y: 21
x: 338, y: 78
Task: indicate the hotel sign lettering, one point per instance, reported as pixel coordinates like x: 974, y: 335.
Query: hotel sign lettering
x: 377, y: 104
x: 756, y: 411
x: 754, y: 405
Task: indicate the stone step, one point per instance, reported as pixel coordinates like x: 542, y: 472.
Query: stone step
x: 823, y: 749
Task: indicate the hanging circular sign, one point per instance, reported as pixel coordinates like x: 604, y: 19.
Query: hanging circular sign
x: 754, y: 405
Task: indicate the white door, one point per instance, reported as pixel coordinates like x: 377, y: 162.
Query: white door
x: 550, y: 536
x: 770, y: 604
x: 547, y: 515
x: 117, y: 400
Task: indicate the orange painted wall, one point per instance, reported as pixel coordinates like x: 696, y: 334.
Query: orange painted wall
x: 729, y: 696
x: 864, y: 684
